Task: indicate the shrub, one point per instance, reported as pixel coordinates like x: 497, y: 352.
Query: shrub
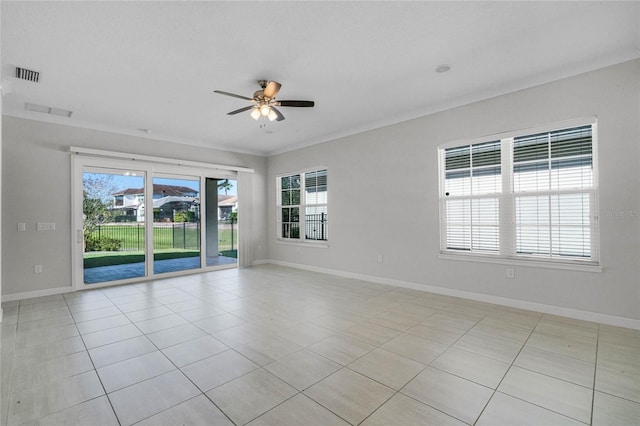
x: 180, y: 217
x: 102, y: 244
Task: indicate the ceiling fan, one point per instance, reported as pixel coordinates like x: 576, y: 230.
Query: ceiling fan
x: 264, y: 102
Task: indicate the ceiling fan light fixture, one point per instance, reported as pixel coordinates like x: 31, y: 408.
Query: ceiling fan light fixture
x: 264, y: 103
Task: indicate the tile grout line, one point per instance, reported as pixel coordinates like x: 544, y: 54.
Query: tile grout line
x: 86, y: 350
x: 595, y: 373
x: 163, y: 354
x: 12, y: 366
x: 261, y: 367
x: 427, y: 365
x: 508, y: 369
x: 202, y: 393
x: 91, y: 359
x: 546, y: 375
x: 167, y: 358
x: 301, y: 392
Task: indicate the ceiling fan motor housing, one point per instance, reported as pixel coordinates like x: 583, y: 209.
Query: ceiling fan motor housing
x: 259, y: 95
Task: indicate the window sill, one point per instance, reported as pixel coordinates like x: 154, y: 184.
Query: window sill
x: 522, y: 262
x: 312, y: 244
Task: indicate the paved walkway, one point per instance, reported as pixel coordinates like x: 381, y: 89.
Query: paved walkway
x: 135, y: 270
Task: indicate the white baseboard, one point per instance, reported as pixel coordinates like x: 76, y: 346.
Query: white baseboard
x: 36, y: 293
x: 497, y: 300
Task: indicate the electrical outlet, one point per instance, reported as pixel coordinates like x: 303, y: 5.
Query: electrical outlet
x: 380, y: 258
x: 22, y: 226
x: 37, y: 269
x: 511, y: 273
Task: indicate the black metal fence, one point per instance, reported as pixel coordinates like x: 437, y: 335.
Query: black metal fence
x: 165, y: 235
x: 184, y: 235
x: 227, y: 234
x: 316, y: 226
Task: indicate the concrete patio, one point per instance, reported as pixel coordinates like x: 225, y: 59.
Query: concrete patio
x: 134, y: 270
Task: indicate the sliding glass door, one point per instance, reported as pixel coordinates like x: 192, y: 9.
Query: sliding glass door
x: 176, y: 223
x: 222, y: 221
x: 151, y: 221
x: 113, y: 228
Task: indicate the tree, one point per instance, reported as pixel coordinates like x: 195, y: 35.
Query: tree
x: 97, y: 192
x: 225, y: 185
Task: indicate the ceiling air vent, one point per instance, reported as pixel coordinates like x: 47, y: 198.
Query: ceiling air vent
x: 29, y: 75
x: 47, y: 109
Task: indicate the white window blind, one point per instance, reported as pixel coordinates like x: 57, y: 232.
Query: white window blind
x: 316, y: 205
x: 523, y: 196
x: 553, y: 188
x: 472, y: 181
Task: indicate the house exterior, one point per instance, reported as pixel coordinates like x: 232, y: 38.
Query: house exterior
x: 226, y: 205
x: 167, y: 200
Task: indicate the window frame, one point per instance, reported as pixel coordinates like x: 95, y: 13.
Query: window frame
x: 302, y: 206
x: 507, y: 253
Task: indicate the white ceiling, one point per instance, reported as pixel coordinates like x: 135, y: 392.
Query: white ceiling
x: 126, y: 66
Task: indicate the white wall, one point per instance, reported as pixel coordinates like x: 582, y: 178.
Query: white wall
x: 383, y: 196
x: 36, y: 187
x: 1, y: 199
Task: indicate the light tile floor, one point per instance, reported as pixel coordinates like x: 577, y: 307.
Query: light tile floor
x: 276, y: 346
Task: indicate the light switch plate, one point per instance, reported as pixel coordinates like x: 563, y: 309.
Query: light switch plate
x: 46, y: 226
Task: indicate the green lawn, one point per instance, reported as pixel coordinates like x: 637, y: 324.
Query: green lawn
x: 170, y: 242
x: 95, y: 259
x: 132, y: 236
x: 230, y: 253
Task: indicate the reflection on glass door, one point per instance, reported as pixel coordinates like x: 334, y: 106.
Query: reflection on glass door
x: 176, y: 224
x: 222, y: 221
x: 113, y: 228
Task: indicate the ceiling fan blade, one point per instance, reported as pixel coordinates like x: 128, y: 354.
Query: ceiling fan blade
x: 220, y: 92
x: 240, y: 110
x: 296, y: 103
x: 272, y: 89
x: 278, y: 113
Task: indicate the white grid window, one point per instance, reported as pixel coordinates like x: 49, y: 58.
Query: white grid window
x: 306, y: 193
x: 553, y: 191
x: 528, y: 196
x: 472, y: 182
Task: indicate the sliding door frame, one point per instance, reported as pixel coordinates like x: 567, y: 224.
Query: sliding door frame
x: 151, y: 168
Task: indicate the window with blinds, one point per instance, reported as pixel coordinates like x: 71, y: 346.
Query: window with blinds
x: 553, y: 193
x: 523, y: 196
x: 472, y: 182
x: 315, y: 216
x: 302, y: 206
